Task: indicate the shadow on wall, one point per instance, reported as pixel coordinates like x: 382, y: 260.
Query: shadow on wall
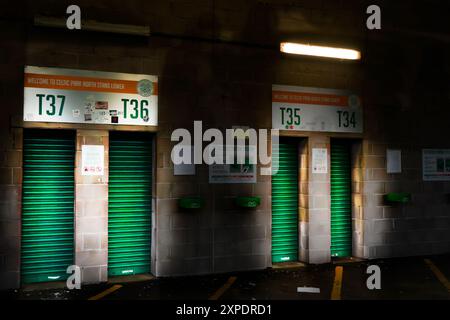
x: 12, y: 60
x: 223, y: 85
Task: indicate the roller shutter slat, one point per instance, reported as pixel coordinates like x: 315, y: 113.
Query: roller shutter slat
x: 285, y: 204
x: 130, y: 205
x: 341, y: 200
x: 47, y: 205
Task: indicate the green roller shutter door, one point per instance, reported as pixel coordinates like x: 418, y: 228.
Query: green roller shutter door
x: 47, y: 205
x: 130, y: 204
x: 285, y: 204
x: 341, y: 201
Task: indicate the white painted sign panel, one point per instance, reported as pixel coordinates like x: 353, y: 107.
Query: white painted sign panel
x: 393, y: 161
x: 92, y: 160
x: 185, y: 169
x: 319, y: 160
x: 235, y: 173
x: 316, y: 109
x: 93, y: 97
x: 436, y: 164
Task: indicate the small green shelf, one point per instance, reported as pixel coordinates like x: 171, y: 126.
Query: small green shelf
x: 191, y: 203
x: 395, y: 197
x: 247, y: 202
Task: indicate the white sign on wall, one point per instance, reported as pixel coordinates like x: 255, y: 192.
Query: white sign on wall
x: 393, y: 161
x: 436, y: 164
x: 319, y: 160
x: 80, y: 96
x: 235, y: 173
x: 185, y: 169
x: 316, y: 109
x: 92, y: 160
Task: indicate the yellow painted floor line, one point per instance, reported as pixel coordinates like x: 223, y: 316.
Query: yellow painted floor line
x: 441, y: 277
x: 223, y: 289
x: 106, y: 292
x: 337, y: 284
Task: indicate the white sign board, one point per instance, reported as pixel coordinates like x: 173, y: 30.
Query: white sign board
x: 319, y: 160
x: 436, y: 164
x: 79, y: 96
x: 92, y: 160
x: 235, y: 173
x: 316, y: 109
x: 184, y: 169
x: 393, y: 161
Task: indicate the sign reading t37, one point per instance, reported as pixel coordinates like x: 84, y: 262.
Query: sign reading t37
x: 79, y: 96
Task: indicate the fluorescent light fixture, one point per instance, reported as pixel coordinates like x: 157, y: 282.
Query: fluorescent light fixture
x: 319, y: 51
x: 91, y: 25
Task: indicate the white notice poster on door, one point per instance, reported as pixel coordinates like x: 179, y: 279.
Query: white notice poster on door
x: 319, y: 160
x: 92, y: 160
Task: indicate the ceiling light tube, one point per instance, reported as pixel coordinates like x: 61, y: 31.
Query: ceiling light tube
x: 320, y: 51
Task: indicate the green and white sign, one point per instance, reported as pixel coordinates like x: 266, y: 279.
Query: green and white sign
x: 436, y: 164
x: 232, y: 170
x: 93, y: 97
x: 316, y: 109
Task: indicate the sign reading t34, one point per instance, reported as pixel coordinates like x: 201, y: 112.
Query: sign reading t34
x: 315, y: 109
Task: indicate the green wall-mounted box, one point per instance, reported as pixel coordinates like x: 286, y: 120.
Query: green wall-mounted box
x: 400, y: 197
x: 247, y: 202
x: 191, y: 203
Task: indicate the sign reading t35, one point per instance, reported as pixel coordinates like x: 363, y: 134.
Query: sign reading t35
x: 315, y: 109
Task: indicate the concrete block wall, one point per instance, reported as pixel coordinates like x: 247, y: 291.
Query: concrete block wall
x: 404, y: 91
x: 220, y: 237
x: 10, y: 206
x: 319, y: 201
x: 11, y: 141
x: 183, y: 238
x: 359, y: 247
x: 416, y: 228
x: 304, y: 162
x: 91, y: 213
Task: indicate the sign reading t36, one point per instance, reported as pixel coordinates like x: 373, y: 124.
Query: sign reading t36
x: 79, y: 96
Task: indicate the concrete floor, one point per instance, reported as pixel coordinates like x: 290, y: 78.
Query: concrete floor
x: 402, y: 278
